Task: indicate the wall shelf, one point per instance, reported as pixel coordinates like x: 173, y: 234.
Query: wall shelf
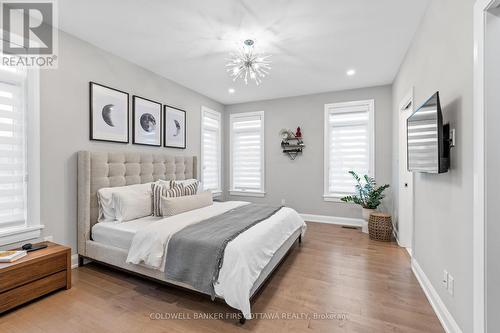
x: 292, y: 146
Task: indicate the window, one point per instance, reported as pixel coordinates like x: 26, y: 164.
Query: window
x: 247, y: 154
x: 211, y: 150
x: 19, y: 155
x: 349, y: 145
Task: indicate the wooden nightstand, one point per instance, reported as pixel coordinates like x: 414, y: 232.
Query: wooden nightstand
x: 37, y: 274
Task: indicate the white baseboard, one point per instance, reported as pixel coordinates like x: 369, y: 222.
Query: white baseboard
x: 333, y: 220
x: 74, y: 261
x: 444, y: 316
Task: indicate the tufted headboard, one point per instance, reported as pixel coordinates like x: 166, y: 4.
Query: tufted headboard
x: 110, y: 169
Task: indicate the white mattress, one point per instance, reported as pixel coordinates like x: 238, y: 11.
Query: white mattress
x: 120, y: 235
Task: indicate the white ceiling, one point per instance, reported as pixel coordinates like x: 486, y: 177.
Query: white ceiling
x: 313, y: 42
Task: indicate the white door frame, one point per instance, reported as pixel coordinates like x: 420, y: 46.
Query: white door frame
x: 404, y: 105
x: 479, y: 314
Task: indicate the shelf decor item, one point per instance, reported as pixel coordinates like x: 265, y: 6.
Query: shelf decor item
x: 291, y: 143
x: 368, y: 195
x: 380, y: 227
x: 109, y: 114
x: 146, y: 122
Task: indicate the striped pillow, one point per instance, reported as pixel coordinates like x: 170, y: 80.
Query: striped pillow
x: 191, y: 189
x: 192, y: 186
x: 166, y: 189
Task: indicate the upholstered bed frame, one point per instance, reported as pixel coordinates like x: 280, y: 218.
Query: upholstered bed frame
x: 110, y: 169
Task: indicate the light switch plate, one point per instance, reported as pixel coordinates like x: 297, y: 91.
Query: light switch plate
x: 445, y: 279
x: 451, y: 285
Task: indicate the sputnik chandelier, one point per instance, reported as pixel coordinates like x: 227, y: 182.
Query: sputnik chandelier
x: 247, y: 64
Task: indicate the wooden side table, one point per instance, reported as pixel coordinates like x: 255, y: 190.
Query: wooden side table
x: 35, y: 275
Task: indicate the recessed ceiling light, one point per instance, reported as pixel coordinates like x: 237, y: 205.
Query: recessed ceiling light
x: 351, y: 72
x: 231, y: 90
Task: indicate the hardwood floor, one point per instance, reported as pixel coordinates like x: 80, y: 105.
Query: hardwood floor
x: 367, y: 285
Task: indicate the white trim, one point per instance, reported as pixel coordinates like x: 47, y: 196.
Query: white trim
x: 218, y: 115
x: 406, y: 108
x: 74, y: 261
x: 19, y: 234
x: 33, y: 225
x: 408, y: 249
x: 262, y: 156
x: 326, y: 139
x: 479, y: 288
x: 33, y: 147
x: 444, y: 316
x: 336, y: 198
x: 333, y: 198
x: 248, y: 194
x: 347, y: 221
x: 216, y: 194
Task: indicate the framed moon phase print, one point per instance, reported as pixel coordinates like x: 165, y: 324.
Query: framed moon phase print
x: 109, y: 114
x: 174, y: 125
x: 146, y: 122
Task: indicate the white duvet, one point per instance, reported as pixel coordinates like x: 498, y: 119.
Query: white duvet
x: 244, y: 258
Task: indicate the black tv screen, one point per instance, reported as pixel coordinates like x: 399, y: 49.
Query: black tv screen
x: 428, y: 147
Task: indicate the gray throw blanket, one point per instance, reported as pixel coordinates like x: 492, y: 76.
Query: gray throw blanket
x: 195, y: 254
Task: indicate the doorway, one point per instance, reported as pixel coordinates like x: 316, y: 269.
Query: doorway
x: 492, y: 161
x: 486, y: 270
x: 404, y: 224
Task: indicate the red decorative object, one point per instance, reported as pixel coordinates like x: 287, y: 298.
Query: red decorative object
x: 298, y: 134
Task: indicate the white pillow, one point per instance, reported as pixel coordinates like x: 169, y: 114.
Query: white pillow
x: 107, y: 211
x: 176, y: 205
x: 133, y: 203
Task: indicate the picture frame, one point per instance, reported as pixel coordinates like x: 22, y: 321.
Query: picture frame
x: 109, y: 114
x: 147, y: 122
x: 174, y: 127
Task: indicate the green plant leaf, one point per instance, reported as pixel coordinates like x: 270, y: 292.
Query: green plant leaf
x: 368, y: 195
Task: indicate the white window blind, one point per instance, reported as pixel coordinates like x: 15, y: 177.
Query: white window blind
x: 13, y: 147
x: 349, y: 142
x: 247, y: 153
x: 211, y: 150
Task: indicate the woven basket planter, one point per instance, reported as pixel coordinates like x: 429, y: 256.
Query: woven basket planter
x: 380, y: 227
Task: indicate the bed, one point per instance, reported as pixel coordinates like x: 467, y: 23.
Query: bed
x: 110, y: 243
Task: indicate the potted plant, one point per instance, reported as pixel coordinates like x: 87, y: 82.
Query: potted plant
x: 368, y: 195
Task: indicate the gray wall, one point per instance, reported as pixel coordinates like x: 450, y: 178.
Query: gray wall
x: 492, y: 104
x: 300, y: 182
x: 441, y: 58
x: 65, y: 122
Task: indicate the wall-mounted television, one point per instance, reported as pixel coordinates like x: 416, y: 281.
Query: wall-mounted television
x: 428, y: 140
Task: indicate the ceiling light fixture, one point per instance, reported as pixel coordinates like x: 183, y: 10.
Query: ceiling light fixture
x: 351, y: 72
x: 231, y: 90
x: 248, y: 64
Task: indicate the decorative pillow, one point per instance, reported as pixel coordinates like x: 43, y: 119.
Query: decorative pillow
x: 132, y: 204
x: 105, y: 199
x: 191, y: 189
x: 176, y: 205
x: 164, y: 189
x: 192, y: 186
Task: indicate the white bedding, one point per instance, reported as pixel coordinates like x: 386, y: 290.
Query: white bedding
x: 244, y: 258
x: 120, y: 234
